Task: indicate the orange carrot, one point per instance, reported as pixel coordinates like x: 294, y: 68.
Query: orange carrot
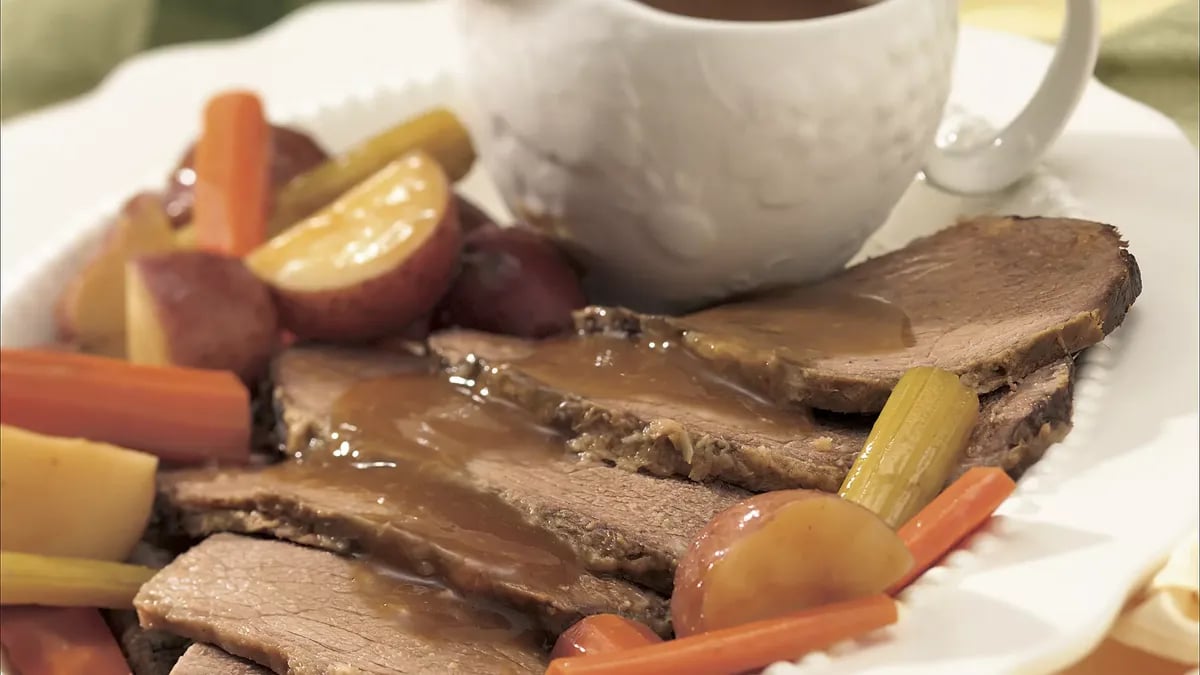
x: 60, y: 641
x: 602, y: 634
x: 957, y: 512
x: 740, y: 648
x: 179, y: 414
x: 232, y: 166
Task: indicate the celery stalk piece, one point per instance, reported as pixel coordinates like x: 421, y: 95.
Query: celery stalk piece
x: 917, y: 440
x: 437, y: 132
x: 28, y: 579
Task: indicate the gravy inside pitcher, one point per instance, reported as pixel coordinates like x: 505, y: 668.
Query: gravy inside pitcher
x: 756, y: 10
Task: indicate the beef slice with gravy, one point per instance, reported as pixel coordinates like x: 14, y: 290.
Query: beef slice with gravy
x: 302, y: 611
x: 614, y: 523
x: 993, y: 299
x: 668, y: 412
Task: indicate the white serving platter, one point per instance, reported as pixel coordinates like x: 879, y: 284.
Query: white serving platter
x: 1035, y: 590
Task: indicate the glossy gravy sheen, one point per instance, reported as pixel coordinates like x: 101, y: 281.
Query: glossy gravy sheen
x: 425, y: 607
x: 406, y: 441
x: 806, y: 324
x: 652, y: 371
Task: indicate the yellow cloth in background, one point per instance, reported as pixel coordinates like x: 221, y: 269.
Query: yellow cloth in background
x: 1149, y: 50
x: 1041, y: 19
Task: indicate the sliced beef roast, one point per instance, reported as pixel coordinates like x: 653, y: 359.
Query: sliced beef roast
x: 993, y: 299
x: 634, y: 526
x: 348, y: 521
x: 301, y: 611
x: 674, y: 418
x: 202, y: 659
x: 639, y: 533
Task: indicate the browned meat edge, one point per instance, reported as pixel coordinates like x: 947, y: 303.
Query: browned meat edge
x: 864, y: 388
x: 1016, y: 426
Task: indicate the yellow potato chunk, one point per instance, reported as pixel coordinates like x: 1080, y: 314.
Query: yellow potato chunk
x: 70, y: 497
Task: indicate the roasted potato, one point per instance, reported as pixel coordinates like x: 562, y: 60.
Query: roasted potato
x: 71, y: 497
x: 373, y: 262
x: 781, y: 552
x: 91, y: 310
x: 513, y: 281
x: 201, y: 310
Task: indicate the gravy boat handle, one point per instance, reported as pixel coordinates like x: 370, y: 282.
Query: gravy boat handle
x: 1004, y: 158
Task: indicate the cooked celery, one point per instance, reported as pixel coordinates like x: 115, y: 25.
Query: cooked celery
x: 27, y: 579
x: 437, y: 132
x: 917, y: 440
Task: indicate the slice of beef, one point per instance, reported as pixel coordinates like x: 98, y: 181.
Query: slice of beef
x: 202, y: 659
x: 326, y: 372
x: 351, y: 521
x: 992, y: 299
x: 302, y: 611
x: 634, y: 526
x: 680, y: 437
x: 639, y: 533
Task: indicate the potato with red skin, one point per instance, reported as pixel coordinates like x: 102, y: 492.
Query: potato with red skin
x: 201, y: 310
x: 513, y: 281
x: 90, y: 313
x: 781, y: 552
x: 370, y: 264
x: 292, y: 153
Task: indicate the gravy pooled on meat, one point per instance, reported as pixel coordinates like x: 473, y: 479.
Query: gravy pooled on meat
x: 651, y: 372
x: 406, y: 439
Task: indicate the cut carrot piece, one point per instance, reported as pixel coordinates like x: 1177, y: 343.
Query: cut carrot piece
x: 602, y: 634
x: 178, y: 414
x: 233, y: 165
x: 741, y: 648
x: 59, y: 641
x: 957, y: 512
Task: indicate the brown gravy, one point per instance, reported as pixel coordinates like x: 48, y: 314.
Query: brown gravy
x: 653, y: 371
x: 422, y: 606
x: 806, y: 324
x: 757, y: 10
x: 406, y: 440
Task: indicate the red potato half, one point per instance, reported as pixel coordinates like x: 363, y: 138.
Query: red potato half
x: 201, y: 310
x: 91, y: 311
x: 513, y: 281
x: 371, y: 263
x: 782, y: 552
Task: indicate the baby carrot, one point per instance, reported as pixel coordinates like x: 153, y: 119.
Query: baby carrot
x: 740, y: 648
x: 602, y: 634
x: 59, y: 641
x: 233, y: 164
x: 178, y: 414
x: 959, y: 510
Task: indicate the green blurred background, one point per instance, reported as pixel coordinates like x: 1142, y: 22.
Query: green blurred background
x: 1149, y: 52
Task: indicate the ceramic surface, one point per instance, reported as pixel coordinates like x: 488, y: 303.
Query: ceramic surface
x: 1033, y: 592
x: 686, y: 160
